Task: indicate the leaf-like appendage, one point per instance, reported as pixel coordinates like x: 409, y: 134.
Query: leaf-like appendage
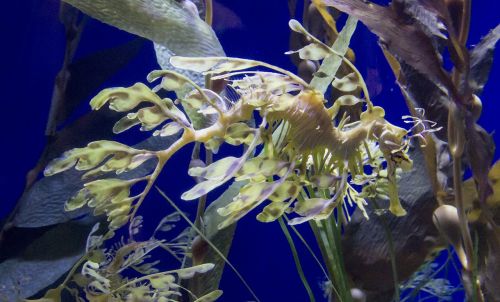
x: 324, y: 181
x: 312, y: 51
x: 269, y: 82
x: 162, y: 282
x: 258, y: 169
x: 168, y: 130
x: 375, y: 113
x: 120, y: 158
x: 109, y: 196
x: 167, y: 223
x: 125, y: 99
x: 348, y: 100
x: 273, y: 211
x: 355, y: 196
x: 170, y: 80
x: 313, y: 208
x: 239, y: 133
x: 189, y: 272
x: 210, y: 297
x: 347, y: 84
x: 218, y: 170
x: 213, y: 65
x: 215, y: 174
x: 253, y: 194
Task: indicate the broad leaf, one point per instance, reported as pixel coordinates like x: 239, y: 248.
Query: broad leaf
x: 365, y: 241
x: 44, y: 261
x: 404, y: 39
x: 331, y: 64
x: 481, y: 59
x: 166, y: 22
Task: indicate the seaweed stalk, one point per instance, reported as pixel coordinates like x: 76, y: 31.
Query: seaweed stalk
x: 200, y: 233
x: 296, y: 259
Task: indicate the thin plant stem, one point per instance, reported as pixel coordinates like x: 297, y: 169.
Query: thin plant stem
x: 309, y: 249
x: 209, y: 12
x: 209, y: 242
x: 392, y: 253
x: 296, y: 259
x: 202, y: 201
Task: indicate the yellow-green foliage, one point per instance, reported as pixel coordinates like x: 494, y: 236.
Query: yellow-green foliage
x: 307, y: 165
x: 311, y: 161
x: 285, y: 103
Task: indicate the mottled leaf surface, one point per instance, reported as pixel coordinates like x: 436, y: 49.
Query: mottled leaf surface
x: 165, y: 22
x: 331, y: 64
x: 481, y: 59
x: 402, y: 37
x: 365, y: 246
x: 44, y: 261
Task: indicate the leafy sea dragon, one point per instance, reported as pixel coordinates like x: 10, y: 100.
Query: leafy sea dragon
x: 306, y: 166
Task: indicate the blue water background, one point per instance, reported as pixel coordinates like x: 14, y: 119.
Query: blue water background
x: 31, y: 55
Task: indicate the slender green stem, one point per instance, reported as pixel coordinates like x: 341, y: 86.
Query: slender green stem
x: 209, y: 242
x: 73, y: 270
x: 202, y: 201
x: 397, y: 294
x: 326, y: 251
x: 309, y: 249
x: 392, y: 254
x: 475, y: 282
x: 296, y: 259
x: 333, y: 232
x: 465, y: 22
x: 464, y: 227
x: 209, y: 12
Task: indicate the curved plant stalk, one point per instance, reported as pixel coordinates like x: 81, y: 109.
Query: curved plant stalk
x: 296, y: 259
x: 392, y: 253
x: 200, y: 233
x: 309, y: 249
x: 209, y: 13
x: 456, y: 139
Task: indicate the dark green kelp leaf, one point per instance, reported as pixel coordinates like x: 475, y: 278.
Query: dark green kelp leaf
x: 44, y: 260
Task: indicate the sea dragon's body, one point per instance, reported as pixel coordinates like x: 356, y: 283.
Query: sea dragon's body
x: 285, y: 103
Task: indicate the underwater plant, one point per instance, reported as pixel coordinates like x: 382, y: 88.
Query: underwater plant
x: 315, y: 149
